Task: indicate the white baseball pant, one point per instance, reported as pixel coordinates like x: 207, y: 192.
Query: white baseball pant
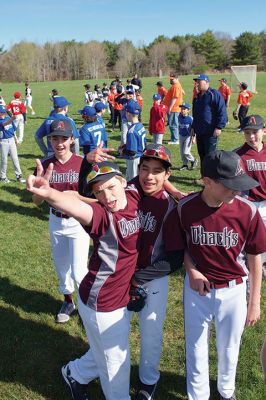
x: 157, y: 138
x: 185, y: 143
x: 108, y: 357
x: 70, y: 249
x: 151, y: 320
x: 132, y: 168
x: 228, y: 308
x: 8, y: 146
x: 19, y: 122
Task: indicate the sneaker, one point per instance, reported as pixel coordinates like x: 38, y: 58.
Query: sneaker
x: 233, y: 397
x: 65, y: 312
x: 171, y: 142
x: 4, y: 180
x: 194, y: 164
x: 76, y: 388
x: 20, y: 179
x: 33, y: 113
x: 146, y: 392
x: 183, y: 167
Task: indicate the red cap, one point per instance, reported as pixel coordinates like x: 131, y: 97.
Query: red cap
x: 17, y: 95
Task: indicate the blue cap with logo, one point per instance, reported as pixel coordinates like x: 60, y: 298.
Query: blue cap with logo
x: 60, y: 102
x: 99, y: 106
x: 2, y: 109
x: 202, y: 77
x: 133, y: 108
x: 185, y: 105
x: 88, y: 111
x: 157, y: 96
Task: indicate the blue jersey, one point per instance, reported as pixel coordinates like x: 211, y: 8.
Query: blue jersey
x: 184, y: 124
x: 44, y: 130
x: 124, y: 102
x: 7, y: 131
x: 136, y: 140
x: 91, y: 135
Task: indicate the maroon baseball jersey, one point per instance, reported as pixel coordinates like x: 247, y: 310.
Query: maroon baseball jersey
x: 65, y: 176
x: 254, y: 166
x: 113, y: 261
x: 218, y: 238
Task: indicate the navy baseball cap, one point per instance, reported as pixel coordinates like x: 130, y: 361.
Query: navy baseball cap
x: 159, y: 83
x: 226, y: 167
x: 157, y: 96
x: 158, y: 152
x: 2, y: 109
x: 60, y: 102
x: 255, y: 122
x: 185, y: 105
x: 99, y: 106
x: 133, y: 108
x: 88, y: 111
x: 202, y: 77
x: 61, y: 127
x: 100, y: 172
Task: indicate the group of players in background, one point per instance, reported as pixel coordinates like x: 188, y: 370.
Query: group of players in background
x: 59, y: 139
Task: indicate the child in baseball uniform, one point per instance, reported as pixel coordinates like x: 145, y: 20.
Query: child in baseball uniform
x: 104, y: 292
x: 253, y: 154
x: 69, y: 241
x: 225, y: 236
x: 28, y: 98
x: 185, y: 138
x: 18, y: 110
x: 157, y: 120
x: 8, y: 140
x: 157, y: 258
x: 243, y: 102
x: 136, y: 140
x: 93, y: 132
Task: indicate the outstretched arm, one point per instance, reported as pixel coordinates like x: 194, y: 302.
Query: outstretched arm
x: 70, y: 205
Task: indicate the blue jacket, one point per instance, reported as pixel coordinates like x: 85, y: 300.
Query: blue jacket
x: 209, y: 112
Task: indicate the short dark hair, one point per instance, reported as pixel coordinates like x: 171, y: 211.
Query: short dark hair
x: 164, y: 163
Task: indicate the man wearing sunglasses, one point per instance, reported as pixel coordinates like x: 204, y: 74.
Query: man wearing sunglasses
x: 113, y: 225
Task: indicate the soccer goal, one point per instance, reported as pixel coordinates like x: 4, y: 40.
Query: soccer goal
x: 244, y: 73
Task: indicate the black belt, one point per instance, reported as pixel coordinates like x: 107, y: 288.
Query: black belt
x: 58, y: 213
x: 231, y: 283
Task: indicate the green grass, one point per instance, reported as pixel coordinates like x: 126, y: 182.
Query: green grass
x: 33, y: 348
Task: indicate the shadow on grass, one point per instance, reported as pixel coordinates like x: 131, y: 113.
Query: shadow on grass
x: 29, y: 156
x: 9, y: 207
x: 32, y: 354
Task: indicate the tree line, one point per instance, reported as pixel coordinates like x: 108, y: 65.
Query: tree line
x: 189, y: 54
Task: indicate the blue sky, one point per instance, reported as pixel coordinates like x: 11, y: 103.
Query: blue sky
x: 140, y: 20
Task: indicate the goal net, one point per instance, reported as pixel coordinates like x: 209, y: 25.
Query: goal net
x: 244, y: 73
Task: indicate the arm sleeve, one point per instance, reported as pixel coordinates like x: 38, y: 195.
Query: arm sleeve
x: 221, y: 111
x: 173, y: 261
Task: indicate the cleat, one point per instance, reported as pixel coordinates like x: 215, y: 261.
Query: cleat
x: 65, y: 312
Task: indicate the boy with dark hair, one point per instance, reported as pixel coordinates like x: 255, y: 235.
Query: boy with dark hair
x: 224, y: 236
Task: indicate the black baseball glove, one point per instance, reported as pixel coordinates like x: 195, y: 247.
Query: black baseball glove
x: 138, y: 295
x: 235, y: 115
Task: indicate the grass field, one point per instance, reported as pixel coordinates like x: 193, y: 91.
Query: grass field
x: 33, y: 347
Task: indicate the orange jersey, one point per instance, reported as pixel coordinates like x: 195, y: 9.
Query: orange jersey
x: 117, y: 106
x: 162, y: 92
x: 243, y: 97
x: 111, y: 98
x: 175, y: 92
x: 225, y: 91
x: 139, y: 99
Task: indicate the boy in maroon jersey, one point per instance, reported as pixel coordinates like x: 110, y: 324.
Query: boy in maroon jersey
x: 104, y: 292
x: 253, y: 154
x: 225, y: 236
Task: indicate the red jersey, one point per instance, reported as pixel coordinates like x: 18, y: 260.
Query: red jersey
x: 111, y: 98
x: 225, y: 91
x: 16, y: 107
x: 244, y: 97
x: 219, y: 238
x: 117, y: 106
x: 113, y: 261
x: 255, y: 166
x: 157, y: 118
x: 64, y: 176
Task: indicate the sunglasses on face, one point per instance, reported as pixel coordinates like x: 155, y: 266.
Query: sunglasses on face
x: 157, y: 153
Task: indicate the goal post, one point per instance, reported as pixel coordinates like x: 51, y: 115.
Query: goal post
x: 244, y: 73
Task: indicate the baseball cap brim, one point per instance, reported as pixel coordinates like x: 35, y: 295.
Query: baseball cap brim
x: 61, y: 133
x: 167, y: 163
x: 239, y: 183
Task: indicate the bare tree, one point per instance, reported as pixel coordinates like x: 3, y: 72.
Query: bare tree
x: 93, y: 60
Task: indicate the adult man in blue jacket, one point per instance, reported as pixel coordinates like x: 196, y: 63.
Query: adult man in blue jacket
x: 209, y: 116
